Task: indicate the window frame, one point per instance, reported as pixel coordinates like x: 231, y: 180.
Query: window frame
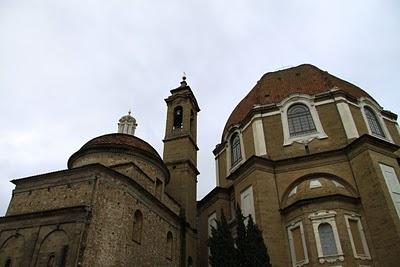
x: 321, y: 217
x: 211, y: 222
x: 357, y: 217
x: 249, y: 192
x: 236, y: 151
x: 290, y: 227
x: 387, y: 168
x: 379, y: 119
x: 308, y: 102
x: 230, y: 166
x: 374, y: 124
x: 293, y: 117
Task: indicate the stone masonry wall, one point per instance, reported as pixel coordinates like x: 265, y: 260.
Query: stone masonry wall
x: 110, y: 240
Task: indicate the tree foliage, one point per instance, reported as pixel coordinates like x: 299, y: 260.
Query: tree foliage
x: 250, y: 249
x: 222, y: 247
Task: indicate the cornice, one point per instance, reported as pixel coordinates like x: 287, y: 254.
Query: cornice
x: 366, y: 141
x: 186, y: 161
x: 213, y: 194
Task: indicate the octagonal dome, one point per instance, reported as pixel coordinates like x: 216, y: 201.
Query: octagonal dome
x: 273, y: 87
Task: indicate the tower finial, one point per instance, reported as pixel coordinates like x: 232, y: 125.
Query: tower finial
x: 183, y: 82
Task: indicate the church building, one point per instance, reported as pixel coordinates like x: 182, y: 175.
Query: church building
x: 312, y: 158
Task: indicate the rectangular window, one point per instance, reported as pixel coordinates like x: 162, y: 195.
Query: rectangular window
x: 355, y: 233
x: 326, y: 236
x: 212, y: 222
x: 247, y: 203
x: 297, y: 244
x: 393, y: 185
x: 357, y: 237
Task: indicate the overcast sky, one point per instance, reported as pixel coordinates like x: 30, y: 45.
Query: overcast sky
x: 70, y: 69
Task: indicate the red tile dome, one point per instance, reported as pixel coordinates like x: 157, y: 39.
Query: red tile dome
x: 273, y: 87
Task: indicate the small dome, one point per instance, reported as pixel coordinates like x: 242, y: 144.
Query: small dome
x: 127, y: 118
x: 273, y: 87
x: 116, y: 141
x: 316, y: 188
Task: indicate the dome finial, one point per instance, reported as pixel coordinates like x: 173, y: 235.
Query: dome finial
x: 127, y: 124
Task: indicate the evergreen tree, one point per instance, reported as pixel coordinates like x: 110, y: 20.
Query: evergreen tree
x: 240, y: 238
x: 250, y: 250
x: 256, y: 250
x: 223, y: 252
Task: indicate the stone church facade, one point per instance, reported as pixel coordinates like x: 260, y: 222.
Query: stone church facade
x: 314, y: 159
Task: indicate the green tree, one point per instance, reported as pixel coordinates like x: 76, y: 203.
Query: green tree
x: 256, y: 250
x: 221, y: 244
x: 240, y: 238
x: 250, y: 250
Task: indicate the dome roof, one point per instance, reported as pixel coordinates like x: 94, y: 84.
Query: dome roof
x: 127, y: 118
x: 273, y: 87
x: 117, y: 140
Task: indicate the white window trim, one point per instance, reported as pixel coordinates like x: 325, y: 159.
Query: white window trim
x: 291, y: 244
x: 309, y: 103
x: 326, y: 217
x: 379, y: 117
x: 356, y: 217
x: 229, y: 167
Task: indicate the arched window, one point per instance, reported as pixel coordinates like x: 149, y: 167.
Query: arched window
x: 327, y: 239
x: 51, y: 261
x: 373, y: 122
x: 236, y: 154
x: 300, y: 120
x: 170, y: 246
x: 190, y: 262
x: 8, y: 263
x: 178, y: 117
x: 137, y: 226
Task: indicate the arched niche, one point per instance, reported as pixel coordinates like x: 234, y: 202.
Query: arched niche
x: 316, y: 185
x: 12, y: 251
x: 54, y: 250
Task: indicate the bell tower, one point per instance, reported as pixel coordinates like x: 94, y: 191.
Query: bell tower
x: 180, y: 156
